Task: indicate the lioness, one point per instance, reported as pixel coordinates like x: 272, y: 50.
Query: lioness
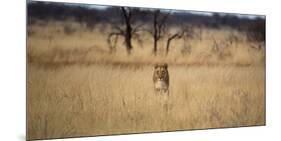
x: 161, y: 78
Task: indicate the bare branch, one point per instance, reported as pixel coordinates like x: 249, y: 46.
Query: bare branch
x: 128, y: 30
x: 159, y: 29
x: 174, y: 36
x: 120, y: 30
x: 138, y: 28
x: 137, y: 37
x: 162, y: 23
x: 111, y: 35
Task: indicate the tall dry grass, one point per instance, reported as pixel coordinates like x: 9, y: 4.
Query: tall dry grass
x: 77, y: 87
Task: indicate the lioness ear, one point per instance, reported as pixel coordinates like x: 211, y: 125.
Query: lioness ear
x: 156, y: 66
x: 166, y: 66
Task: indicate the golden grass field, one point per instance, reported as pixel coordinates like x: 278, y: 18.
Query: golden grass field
x: 77, y: 87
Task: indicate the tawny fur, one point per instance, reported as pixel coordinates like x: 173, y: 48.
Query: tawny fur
x: 161, y: 78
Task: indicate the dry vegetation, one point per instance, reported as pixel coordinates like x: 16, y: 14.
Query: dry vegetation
x: 78, y: 87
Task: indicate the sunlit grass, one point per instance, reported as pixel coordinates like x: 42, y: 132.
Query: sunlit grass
x: 77, y: 87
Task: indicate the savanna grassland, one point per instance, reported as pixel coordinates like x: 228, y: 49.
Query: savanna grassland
x: 78, y: 86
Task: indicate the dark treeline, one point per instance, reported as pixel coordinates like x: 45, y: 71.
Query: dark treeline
x: 93, y: 16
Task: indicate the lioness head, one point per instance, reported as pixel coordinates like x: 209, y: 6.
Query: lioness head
x: 161, y: 72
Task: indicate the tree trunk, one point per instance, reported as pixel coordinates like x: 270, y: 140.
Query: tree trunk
x: 128, y: 38
x: 155, y: 45
x: 128, y: 34
x: 155, y: 32
x: 168, y: 46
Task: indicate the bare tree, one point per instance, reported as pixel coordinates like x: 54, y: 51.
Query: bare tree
x: 128, y: 32
x: 158, y: 30
x: 172, y: 37
x: 184, y: 32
